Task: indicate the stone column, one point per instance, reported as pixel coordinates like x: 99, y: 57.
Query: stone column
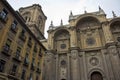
x: 73, y: 38
x: 57, y: 64
x: 68, y: 67
x: 50, y: 66
x: 114, y: 59
x: 50, y: 40
x: 75, y: 71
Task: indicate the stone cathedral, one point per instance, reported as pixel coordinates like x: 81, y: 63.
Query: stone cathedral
x: 88, y: 48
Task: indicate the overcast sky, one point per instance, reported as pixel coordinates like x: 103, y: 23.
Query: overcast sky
x: 56, y: 10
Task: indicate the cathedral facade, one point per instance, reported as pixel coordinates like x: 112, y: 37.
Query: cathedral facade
x: 88, y: 48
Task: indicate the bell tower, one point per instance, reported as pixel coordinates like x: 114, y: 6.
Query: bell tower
x: 35, y: 19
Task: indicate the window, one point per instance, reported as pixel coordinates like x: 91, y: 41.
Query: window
x: 22, y: 35
x: 30, y: 76
x: 38, y: 64
x: 3, y: 14
x: 33, y: 61
x: 14, y: 25
x: 30, y: 42
x: 2, y: 64
x: 63, y: 46
x: 37, y: 77
x: 23, y: 32
x: 35, y: 47
x: 14, y: 68
x: 26, y: 62
x: 33, y: 64
x: 7, y: 45
x: 118, y: 39
x: 23, y: 74
x: 18, y: 52
x: 90, y: 41
x: 40, y: 52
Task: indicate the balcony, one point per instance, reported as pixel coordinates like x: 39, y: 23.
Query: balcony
x: 14, y: 75
x: 17, y: 57
x: 6, y: 50
x: 22, y: 37
x: 38, y: 70
x: 26, y: 62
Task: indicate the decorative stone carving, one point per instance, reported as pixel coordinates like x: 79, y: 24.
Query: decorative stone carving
x: 74, y: 55
x: 113, y: 50
x: 93, y: 53
x: 94, y: 61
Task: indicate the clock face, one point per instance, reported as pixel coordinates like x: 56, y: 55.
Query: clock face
x: 90, y: 41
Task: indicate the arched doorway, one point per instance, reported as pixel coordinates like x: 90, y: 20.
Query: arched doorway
x: 96, y: 76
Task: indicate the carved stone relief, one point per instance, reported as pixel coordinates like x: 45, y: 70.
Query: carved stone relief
x: 94, y: 61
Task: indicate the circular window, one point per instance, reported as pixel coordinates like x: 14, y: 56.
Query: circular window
x: 63, y: 62
x: 118, y: 39
x: 63, y: 46
x: 90, y: 41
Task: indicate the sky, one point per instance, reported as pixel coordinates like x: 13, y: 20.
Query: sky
x: 55, y: 10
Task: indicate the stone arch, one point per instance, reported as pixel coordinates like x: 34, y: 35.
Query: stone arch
x: 114, y: 23
x: 96, y: 70
x: 61, y: 40
x: 115, y: 29
x: 87, y: 21
x: 58, y: 31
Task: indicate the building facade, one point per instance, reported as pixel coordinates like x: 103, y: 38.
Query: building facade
x: 88, y: 48
x: 21, y: 53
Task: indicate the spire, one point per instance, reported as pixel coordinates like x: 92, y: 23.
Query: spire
x: 85, y: 10
x: 51, y: 25
x: 114, y: 15
x: 61, y: 23
x: 101, y: 10
x: 71, y: 15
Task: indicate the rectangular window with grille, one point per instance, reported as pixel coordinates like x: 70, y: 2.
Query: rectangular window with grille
x: 2, y: 65
x: 3, y: 14
x: 14, y: 26
x: 23, y: 74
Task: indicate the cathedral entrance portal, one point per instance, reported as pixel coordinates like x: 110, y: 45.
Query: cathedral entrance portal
x: 96, y: 76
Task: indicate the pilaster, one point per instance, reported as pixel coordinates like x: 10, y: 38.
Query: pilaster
x: 50, y: 65
x: 73, y: 40
x: 107, y: 33
x: 114, y: 59
x: 75, y: 69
